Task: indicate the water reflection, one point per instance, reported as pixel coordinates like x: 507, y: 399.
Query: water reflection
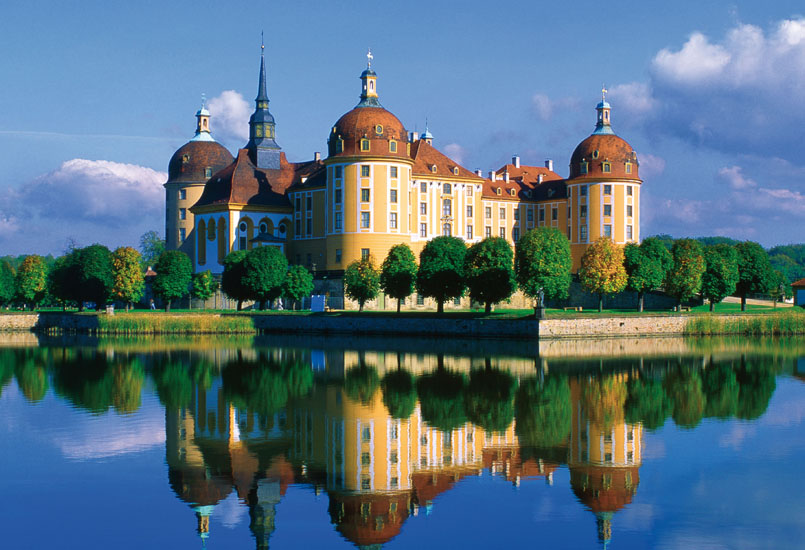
x: 384, y: 433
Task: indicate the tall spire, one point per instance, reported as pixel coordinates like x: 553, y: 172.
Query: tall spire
x: 263, y: 148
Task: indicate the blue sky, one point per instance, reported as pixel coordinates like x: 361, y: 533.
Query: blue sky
x: 97, y: 98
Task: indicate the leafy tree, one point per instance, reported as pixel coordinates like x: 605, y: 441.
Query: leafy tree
x: 789, y: 267
x: 542, y: 264
x: 602, y: 270
x: 647, y: 403
x: 709, y: 241
x: 646, y: 266
x: 8, y: 288
x: 298, y: 283
x: 151, y: 247
x: 665, y: 239
x: 128, y: 281
x: 490, y: 399
x: 31, y: 280
x: 720, y: 274
x: 489, y: 269
x: 399, y: 393
x: 233, y: 276
x: 755, y: 274
x: 264, y: 272
x: 543, y: 412
x: 441, y: 270
x: 398, y: 273
x: 685, y: 278
x: 63, y: 280
x: 174, y: 274
x: 781, y: 289
x: 204, y: 285
x: 362, y: 281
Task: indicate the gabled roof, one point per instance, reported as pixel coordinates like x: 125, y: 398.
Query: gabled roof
x: 798, y: 284
x: 426, y: 156
x: 524, y: 181
x: 309, y: 180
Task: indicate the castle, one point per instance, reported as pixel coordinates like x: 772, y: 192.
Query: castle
x: 380, y: 185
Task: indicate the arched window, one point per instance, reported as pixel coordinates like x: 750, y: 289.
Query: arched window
x: 242, y: 240
x: 446, y: 230
x: 201, y: 249
x: 223, y: 241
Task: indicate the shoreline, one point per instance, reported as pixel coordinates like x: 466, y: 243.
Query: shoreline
x: 524, y: 328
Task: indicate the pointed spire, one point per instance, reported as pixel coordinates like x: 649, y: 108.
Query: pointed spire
x: 262, y: 146
x: 261, y: 90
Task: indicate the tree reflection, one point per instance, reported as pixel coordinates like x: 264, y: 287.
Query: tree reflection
x: 32, y: 379
x: 647, y: 402
x: 720, y: 385
x: 603, y: 400
x: 756, y: 385
x: 265, y: 385
x: 684, y: 387
x: 543, y: 412
x: 361, y: 383
x: 399, y: 393
x: 490, y: 399
x: 441, y: 398
x: 6, y: 368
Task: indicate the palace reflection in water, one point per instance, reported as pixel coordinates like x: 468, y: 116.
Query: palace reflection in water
x: 383, y: 434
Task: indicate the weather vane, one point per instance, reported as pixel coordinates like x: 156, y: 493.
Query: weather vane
x: 369, y: 58
x: 203, y: 100
x: 262, y: 41
x: 603, y: 92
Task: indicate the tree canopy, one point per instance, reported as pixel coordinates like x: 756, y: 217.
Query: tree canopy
x: 542, y: 262
x: 151, y: 247
x: 755, y: 274
x: 362, y: 281
x: 174, y: 274
x: 398, y: 273
x: 298, y: 283
x: 441, y: 270
x: 646, y: 266
x: 602, y: 271
x: 204, y: 285
x: 31, y: 280
x: 8, y: 288
x: 544, y: 412
x: 264, y: 272
x: 128, y: 281
x: 720, y: 274
x: 489, y: 269
x: 684, y: 280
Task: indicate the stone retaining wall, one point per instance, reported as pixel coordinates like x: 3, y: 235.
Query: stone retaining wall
x: 617, y: 326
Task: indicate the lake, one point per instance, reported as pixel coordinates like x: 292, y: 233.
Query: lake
x: 315, y: 442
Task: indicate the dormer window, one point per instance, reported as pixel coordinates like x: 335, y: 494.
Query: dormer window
x: 208, y: 172
x: 455, y: 170
x: 364, y: 144
x: 379, y: 129
x: 584, y: 167
x: 433, y: 168
x: 628, y: 167
x: 511, y: 192
x: 595, y: 154
x: 339, y: 145
x: 185, y: 158
x: 497, y: 190
x: 392, y: 146
x: 607, y: 167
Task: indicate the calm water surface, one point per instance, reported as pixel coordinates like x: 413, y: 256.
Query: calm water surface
x: 336, y: 443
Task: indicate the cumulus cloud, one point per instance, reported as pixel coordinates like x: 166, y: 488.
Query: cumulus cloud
x: 86, y: 200
x: 633, y: 99
x: 734, y: 177
x: 455, y: 152
x: 545, y: 108
x: 229, y: 118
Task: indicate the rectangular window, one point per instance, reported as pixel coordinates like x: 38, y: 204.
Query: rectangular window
x: 628, y: 232
x: 607, y: 210
x: 365, y: 220
x: 364, y: 171
x: 309, y: 226
x: 517, y: 214
x: 208, y: 172
x: 338, y: 196
x: 339, y: 220
x: 456, y: 302
x: 393, y: 456
x: 502, y: 213
x: 583, y: 190
x: 469, y: 210
x: 338, y: 255
x: 554, y: 213
x: 629, y: 190
x: 366, y: 459
x: 298, y: 228
x: 541, y: 214
x: 420, y: 300
x: 298, y: 204
x: 393, y: 220
x: 182, y: 194
x: 502, y: 232
x: 607, y: 189
x: 423, y: 186
x: 584, y: 167
x: 242, y: 243
x: 309, y: 203
x: 364, y: 195
x: 393, y: 171
x: 628, y: 167
x: 364, y: 255
x: 469, y: 232
x: 393, y: 195
x: 607, y: 230
x: 607, y: 168
x: 516, y: 234
x: 583, y: 233
x: 447, y: 207
x: 339, y: 172
x: 529, y: 215
x: 423, y: 208
x: 488, y: 212
x: 182, y: 234
x: 393, y: 147
x: 629, y: 210
x: 583, y: 211
x: 423, y: 230
x: 182, y: 213
x: 446, y: 189
x: 487, y: 232
x: 364, y: 145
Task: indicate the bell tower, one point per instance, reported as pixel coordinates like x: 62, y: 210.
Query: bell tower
x: 262, y: 146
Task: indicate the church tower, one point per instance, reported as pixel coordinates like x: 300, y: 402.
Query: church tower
x: 262, y: 145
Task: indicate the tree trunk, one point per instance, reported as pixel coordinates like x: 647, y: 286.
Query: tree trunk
x: 640, y: 298
x: 440, y: 307
x: 536, y: 312
x: 600, y: 303
x: 712, y: 305
x: 399, y: 304
x: 360, y: 305
x: 743, y: 302
x: 80, y: 306
x: 488, y: 308
x: 167, y: 305
x: 240, y: 305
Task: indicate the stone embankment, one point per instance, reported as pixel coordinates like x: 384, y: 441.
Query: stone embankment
x: 625, y: 326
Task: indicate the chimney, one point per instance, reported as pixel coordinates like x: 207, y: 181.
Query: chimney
x: 317, y: 156
x: 414, y: 136
x: 479, y: 173
x: 549, y: 164
x: 516, y: 161
x: 506, y: 176
x: 540, y: 177
x: 492, y: 175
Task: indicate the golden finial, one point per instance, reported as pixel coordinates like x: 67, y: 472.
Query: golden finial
x: 369, y: 58
x: 604, y: 92
x: 262, y: 41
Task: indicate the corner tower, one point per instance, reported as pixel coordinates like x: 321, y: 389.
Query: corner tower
x: 263, y: 148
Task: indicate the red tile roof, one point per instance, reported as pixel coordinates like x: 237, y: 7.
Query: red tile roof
x: 426, y: 156
x: 524, y: 181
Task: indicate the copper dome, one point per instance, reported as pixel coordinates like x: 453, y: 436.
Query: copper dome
x: 190, y: 162
x: 599, y: 149
x: 375, y: 124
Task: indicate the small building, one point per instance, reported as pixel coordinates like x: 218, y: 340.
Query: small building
x: 798, y: 288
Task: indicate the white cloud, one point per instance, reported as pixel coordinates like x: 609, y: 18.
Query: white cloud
x: 545, y: 107
x: 88, y: 200
x: 698, y: 62
x: 634, y: 99
x: 455, y: 152
x: 651, y: 166
x: 229, y: 118
x: 733, y: 176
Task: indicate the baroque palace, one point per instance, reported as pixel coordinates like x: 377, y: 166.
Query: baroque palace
x: 380, y: 185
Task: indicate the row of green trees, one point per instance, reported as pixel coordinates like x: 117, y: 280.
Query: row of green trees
x: 541, y: 263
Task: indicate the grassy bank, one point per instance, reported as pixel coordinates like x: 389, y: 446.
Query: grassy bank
x: 784, y: 323
x: 184, y: 323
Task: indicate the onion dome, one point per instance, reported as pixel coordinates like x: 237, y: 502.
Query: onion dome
x: 604, y: 489
x: 199, y: 158
x: 603, y: 154
x: 368, y: 129
x: 386, y: 514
